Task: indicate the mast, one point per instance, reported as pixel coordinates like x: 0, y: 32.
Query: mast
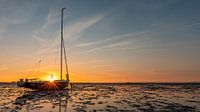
x: 63, y: 48
x: 61, y: 44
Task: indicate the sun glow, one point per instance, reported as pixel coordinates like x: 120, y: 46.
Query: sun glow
x: 51, y: 78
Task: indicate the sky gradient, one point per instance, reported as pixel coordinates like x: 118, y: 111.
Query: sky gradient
x: 106, y: 40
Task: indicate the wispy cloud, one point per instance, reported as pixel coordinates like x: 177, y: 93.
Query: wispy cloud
x: 106, y: 47
x: 38, y: 38
x: 72, y: 31
x: 139, y: 41
x: 75, y: 30
x: 11, y: 13
x: 131, y: 34
x: 41, y: 33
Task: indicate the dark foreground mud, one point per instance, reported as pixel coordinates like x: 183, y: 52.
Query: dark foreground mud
x: 104, y: 97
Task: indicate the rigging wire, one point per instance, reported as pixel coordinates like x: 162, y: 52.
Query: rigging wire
x: 67, y: 72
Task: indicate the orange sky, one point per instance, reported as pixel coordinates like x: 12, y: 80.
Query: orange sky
x: 95, y: 72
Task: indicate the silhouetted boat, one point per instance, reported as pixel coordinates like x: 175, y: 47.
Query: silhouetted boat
x: 54, y: 84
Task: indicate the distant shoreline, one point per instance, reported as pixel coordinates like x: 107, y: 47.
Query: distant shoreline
x: 127, y: 83
x: 141, y: 83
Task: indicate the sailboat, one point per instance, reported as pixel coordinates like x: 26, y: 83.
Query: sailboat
x: 50, y: 84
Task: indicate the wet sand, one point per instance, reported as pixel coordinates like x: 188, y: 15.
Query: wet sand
x: 103, y: 97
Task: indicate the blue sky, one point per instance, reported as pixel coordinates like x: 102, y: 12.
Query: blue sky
x: 145, y: 40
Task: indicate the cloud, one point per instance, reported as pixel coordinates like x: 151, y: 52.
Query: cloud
x: 150, y: 39
x: 75, y: 30
x: 38, y: 38
x: 17, y: 12
x: 125, y: 41
x: 106, y: 47
x: 131, y: 34
x: 14, y: 12
x: 72, y: 31
x: 42, y: 31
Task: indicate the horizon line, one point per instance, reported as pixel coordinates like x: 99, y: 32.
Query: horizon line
x: 123, y: 82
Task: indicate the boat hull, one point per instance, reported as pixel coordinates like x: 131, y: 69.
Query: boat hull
x: 44, y: 85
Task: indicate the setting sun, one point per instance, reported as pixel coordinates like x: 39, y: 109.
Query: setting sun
x: 51, y: 78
